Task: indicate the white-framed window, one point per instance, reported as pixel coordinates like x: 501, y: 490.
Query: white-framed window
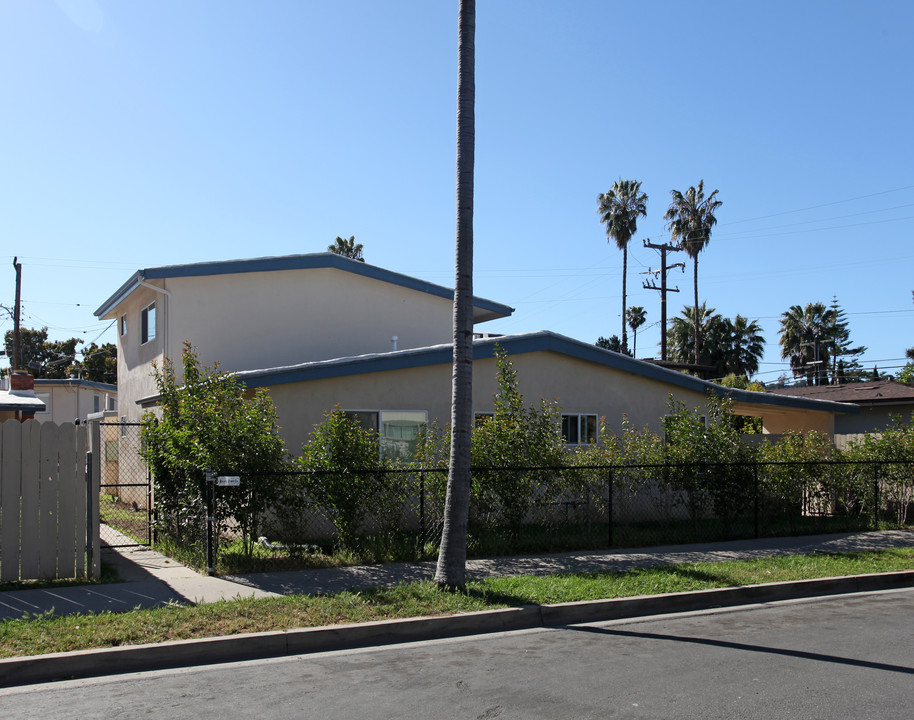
x: 398, y: 430
x: 112, y: 403
x: 96, y: 403
x: 579, y: 428
x: 148, y: 324
x: 123, y: 325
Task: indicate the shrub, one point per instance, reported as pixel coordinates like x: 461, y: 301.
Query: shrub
x: 207, y: 423
x: 344, y: 474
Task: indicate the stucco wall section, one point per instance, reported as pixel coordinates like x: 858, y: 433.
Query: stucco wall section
x: 249, y: 321
x: 577, y: 386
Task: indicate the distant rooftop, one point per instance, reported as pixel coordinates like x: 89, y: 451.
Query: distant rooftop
x: 877, y: 391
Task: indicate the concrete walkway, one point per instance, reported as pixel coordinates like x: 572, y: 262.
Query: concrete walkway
x: 151, y: 579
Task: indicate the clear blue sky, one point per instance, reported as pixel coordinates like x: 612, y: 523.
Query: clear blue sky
x: 136, y: 134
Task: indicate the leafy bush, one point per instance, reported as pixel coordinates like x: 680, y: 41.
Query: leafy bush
x: 344, y: 474
x: 891, y: 446
x: 207, y: 423
x: 513, y: 437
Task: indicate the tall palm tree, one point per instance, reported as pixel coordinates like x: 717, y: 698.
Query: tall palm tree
x: 347, y: 248
x: 635, y: 316
x: 806, y: 338
x: 691, y: 217
x: 451, y: 570
x: 619, y: 209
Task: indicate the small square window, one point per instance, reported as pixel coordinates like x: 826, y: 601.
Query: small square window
x: 579, y: 429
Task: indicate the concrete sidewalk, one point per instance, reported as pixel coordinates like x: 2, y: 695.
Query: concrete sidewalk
x: 151, y: 579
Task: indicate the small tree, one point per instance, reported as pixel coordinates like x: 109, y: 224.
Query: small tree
x: 514, y: 437
x: 207, y: 423
x: 342, y: 461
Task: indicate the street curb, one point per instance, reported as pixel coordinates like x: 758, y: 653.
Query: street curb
x: 233, y: 648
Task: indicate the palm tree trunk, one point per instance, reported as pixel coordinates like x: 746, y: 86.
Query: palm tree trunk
x: 451, y: 570
x: 624, y: 292
x: 695, y: 316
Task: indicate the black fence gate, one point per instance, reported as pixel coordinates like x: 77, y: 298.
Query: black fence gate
x: 125, y: 489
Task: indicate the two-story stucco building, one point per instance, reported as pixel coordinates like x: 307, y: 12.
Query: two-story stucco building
x: 321, y: 330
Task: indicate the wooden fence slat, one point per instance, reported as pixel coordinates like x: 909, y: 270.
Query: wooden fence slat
x: 67, y: 543
x: 79, y: 502
x: 48, y: 499
x: 9, y: 500
x: 92, y: 512
x: 30, y: 449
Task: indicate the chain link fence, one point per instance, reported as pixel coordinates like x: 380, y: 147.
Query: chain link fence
x: 330, y: 517
x: 125, y: 501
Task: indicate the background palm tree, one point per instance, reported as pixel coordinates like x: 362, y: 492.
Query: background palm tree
x: 747, y: 346
x: 451, y: 570
x: 619, y: 210
x: 635, y: 316
x: 347, y: 248
x: 691, y: 217
x: 729, y: 346
x: 681, y: 336
x: 806, y: 334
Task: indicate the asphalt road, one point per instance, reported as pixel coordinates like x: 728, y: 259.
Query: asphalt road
x: 838, y: 657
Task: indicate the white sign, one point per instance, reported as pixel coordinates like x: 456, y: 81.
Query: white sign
x: 228, y: 481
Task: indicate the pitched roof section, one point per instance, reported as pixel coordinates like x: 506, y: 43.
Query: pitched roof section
x: 483, y: 309
x: 518, y: 345
x: 867, y: 393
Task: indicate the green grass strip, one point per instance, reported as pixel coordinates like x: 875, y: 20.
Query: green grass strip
x: 46, y: 634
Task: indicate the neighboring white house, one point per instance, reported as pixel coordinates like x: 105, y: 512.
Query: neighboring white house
x: 73, y: 399
x: 322, y: 331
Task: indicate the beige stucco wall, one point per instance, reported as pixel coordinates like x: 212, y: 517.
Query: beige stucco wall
x: 133, y: 358
x: 258, y: 320
x: 576, y: 386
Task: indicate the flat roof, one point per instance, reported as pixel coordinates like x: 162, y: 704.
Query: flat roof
x: 12, y: 400
x: 483, y: 309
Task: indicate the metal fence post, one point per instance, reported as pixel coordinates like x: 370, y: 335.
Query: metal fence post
x: 757, y: 492
x: 210, y: 492
x: 422, y: 507
x: 876, y: 495
x: 609, y: 511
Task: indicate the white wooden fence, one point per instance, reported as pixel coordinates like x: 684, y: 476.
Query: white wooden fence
x: 46, y: 505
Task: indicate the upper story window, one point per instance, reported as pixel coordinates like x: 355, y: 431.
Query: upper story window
x: 148, y: 324
x: 579, y: 429
x: 96, y: 403
x: 123, y: 325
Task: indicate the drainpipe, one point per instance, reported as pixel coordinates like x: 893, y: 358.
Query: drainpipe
x: 167, y: 294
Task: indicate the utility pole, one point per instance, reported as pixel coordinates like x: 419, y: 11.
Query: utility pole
x: 664, y: 268
x: 14, y: 361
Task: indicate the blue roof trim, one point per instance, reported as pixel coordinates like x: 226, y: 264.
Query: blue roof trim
x: 74, y: 382
x: 485, y: 309
x: 543, y: 341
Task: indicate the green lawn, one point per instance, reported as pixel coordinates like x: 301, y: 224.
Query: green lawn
x: 45, y: 634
